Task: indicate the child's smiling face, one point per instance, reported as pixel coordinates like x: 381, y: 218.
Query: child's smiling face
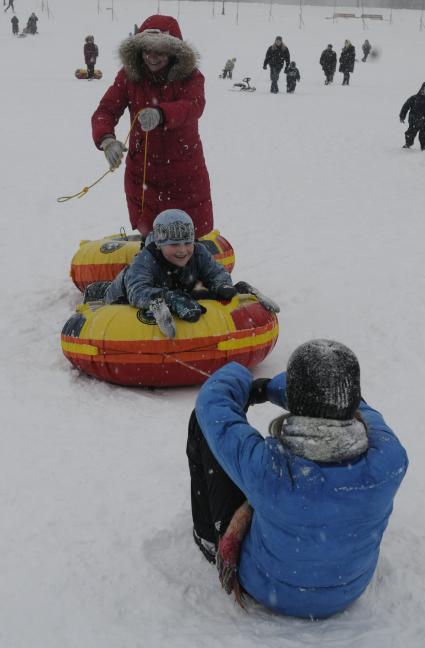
x: 178, y: 253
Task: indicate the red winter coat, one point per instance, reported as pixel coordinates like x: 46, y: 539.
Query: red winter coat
x: 176, y: 174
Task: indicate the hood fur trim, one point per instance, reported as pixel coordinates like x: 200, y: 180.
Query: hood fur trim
x: 130, y: 52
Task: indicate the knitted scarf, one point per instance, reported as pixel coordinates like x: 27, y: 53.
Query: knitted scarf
x: 319, y: 439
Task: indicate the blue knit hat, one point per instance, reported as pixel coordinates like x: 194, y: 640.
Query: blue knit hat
x: 173, y: 226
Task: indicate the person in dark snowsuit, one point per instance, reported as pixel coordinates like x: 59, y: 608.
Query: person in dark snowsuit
x: 312, y: 500
x: 292, y: 76
x: 15, y: 25
x: 277, y: 56
x: 162, y: 87
x: 415, y: 106
x: 328, y: 63
x: 162, y: 277
x: 31, y: 27
x: 10, y: 6
x: 91, y: 52
x: 228, y: 68
x: 366, y: 47
x: 346, y: 61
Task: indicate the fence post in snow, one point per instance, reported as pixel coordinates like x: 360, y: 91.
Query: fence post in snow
x: 111, y: 9
x: 301, y: 21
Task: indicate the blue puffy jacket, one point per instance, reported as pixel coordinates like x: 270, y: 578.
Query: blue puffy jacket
x: 313, y: 544
x: 149, y: 275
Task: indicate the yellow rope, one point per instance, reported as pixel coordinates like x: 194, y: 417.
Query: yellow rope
x: 144, y: 172
x: 84, y: 190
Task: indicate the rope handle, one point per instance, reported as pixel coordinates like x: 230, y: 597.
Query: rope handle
x: 86, y: 189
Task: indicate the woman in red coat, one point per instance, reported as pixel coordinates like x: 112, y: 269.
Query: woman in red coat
x: 159, y: 78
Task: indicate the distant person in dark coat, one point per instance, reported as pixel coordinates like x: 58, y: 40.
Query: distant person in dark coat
x: 366, y: 47
x: 346, y: 61
x: 328, y: 63
x: 91, y: 52
x: 31, y: 27
x: 228, y: 68
x: 15, y: 25
x: 292, y: 76
x: 277, y: 56
x: 10, y: 6
x: 415, y: 106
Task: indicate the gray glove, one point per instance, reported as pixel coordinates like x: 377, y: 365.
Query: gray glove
x: 163, y: 317
x: 113, y: 150
x: 150, y: 118
x: 268, y: 303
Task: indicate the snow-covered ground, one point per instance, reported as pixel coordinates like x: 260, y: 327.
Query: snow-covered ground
x: 326, y: 214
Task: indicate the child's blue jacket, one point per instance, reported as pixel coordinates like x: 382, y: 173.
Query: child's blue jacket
x: 149, y: 275
x: 313, y: 544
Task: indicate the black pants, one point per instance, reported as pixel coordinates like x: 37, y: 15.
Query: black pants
x: 346, y: 79
x: 214, y: 496
x: 274, y: 78
x: 227, y: 73
x: 90, y: 70
x: 290, y: 86
x: 411, y: 133
x: 329, y: 74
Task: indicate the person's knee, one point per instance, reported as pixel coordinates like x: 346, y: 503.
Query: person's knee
x: 193, y: 450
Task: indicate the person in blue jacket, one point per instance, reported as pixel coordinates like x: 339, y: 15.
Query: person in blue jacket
x: 169, y: 275
x: 162, y: 277
x: 301, y: 513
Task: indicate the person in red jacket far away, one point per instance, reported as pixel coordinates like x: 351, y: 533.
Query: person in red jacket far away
x: 160, y: 84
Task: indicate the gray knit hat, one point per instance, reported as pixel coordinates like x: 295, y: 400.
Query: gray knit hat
x: 323, y: 380
x: 173, y: 226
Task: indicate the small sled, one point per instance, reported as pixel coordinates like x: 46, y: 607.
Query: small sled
x: 81, y: 73
x: 244, y: 86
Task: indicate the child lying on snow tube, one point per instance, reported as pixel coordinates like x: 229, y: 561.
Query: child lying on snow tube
x: 162, y: 279
x: 310, y: 503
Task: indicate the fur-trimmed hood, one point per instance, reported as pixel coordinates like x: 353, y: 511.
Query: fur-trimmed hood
x: 161, y: 33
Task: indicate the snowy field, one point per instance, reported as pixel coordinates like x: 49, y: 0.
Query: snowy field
x: 326, y: 214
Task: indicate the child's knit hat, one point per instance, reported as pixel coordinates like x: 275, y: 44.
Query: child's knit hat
x: 323, y: 381
x: 173, y: 226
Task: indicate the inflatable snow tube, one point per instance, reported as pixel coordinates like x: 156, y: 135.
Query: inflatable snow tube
x: 103, y: 259
x: 119, y: 344
x: 81, y: 73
